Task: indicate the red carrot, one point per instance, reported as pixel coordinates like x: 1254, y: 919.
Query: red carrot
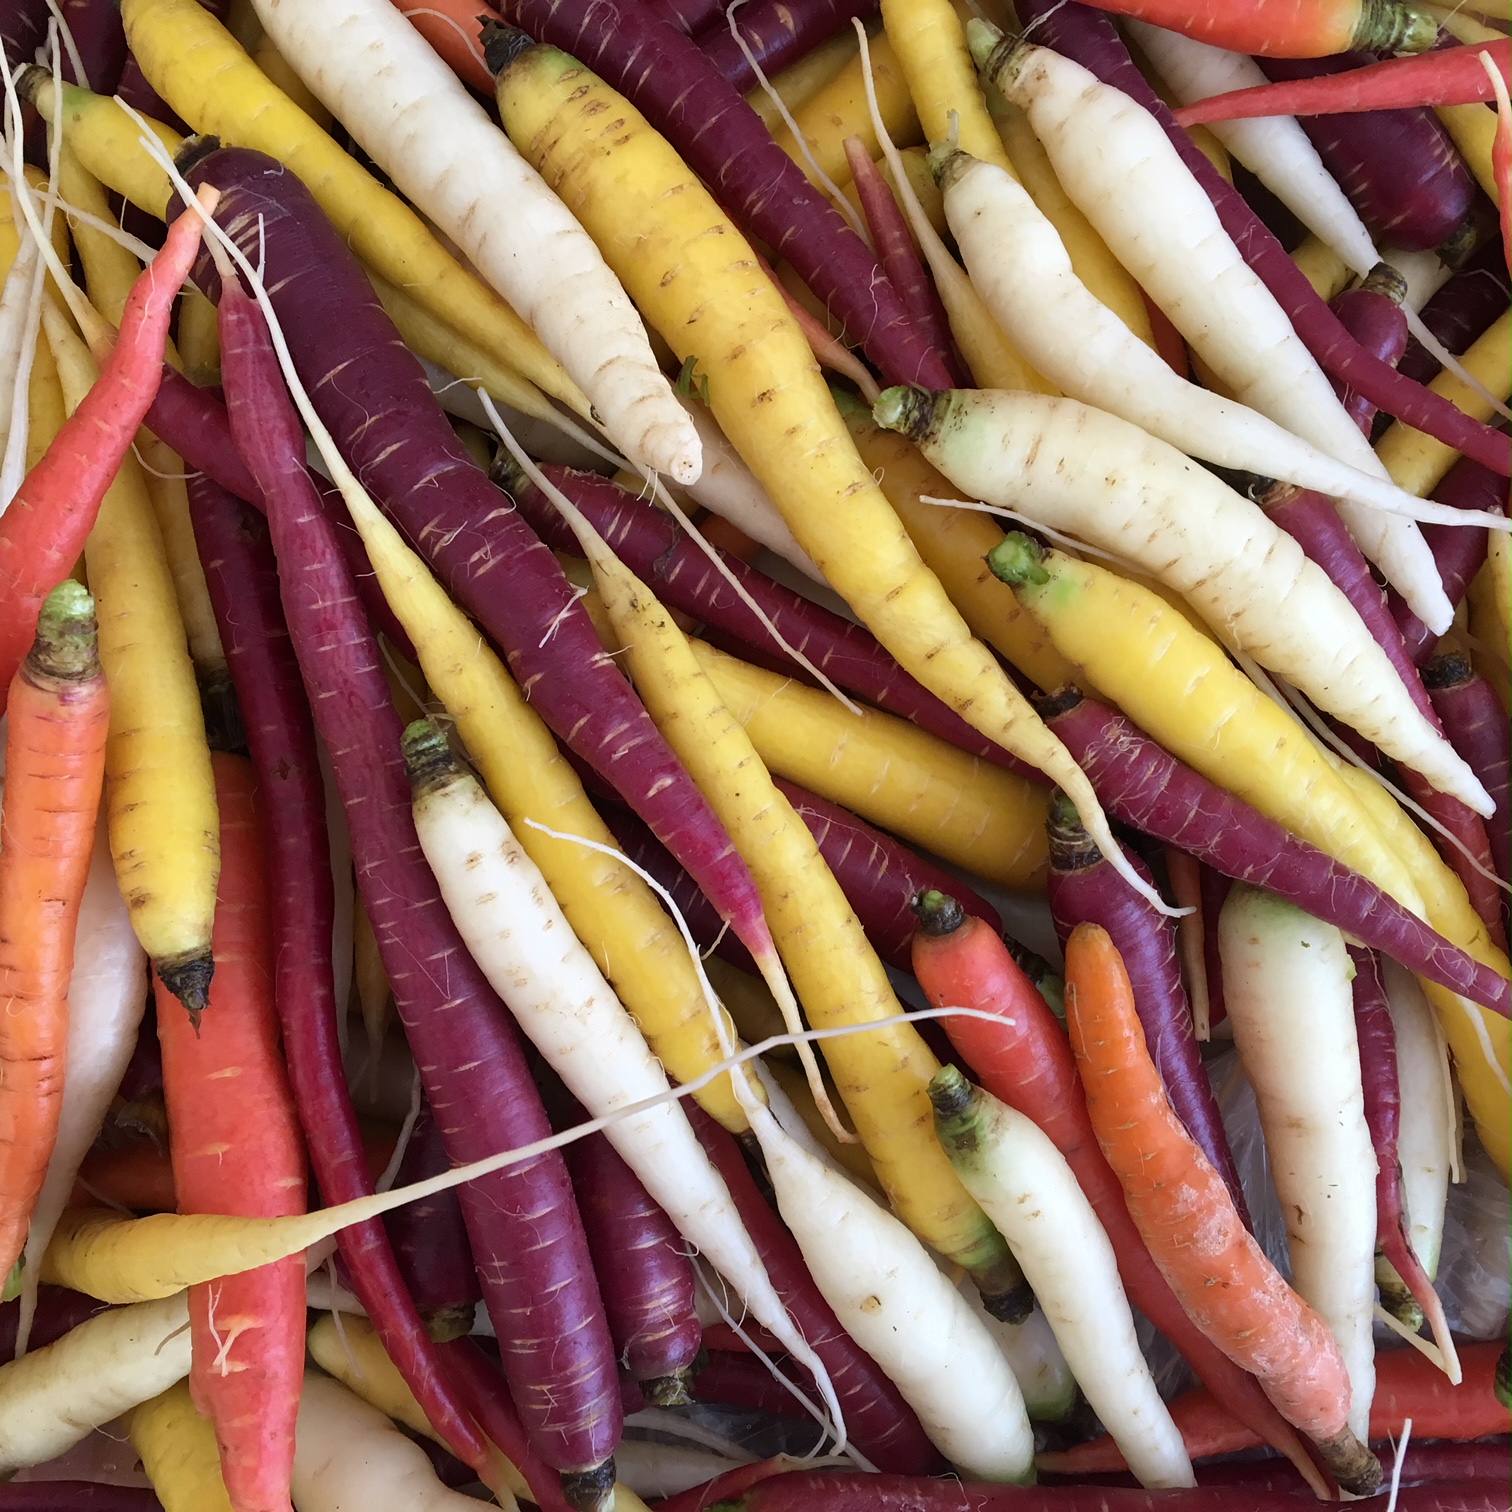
x: 777, y: 34
x: 1142, y: 785
x: 881, y: 1424
x: 644, y: 1272
x: 42, y: 532
x: 741, y: 1380
x: 526, y: 1236
x: 430, y: 1239
x: 1089, y: 37
x: 481, y: 548
x: 725, y: 143
x: 1400, y: 168
x: 242, y: 577
x: 1025, y: 1060
x: 1453, y: 76
x: 1291, y: 29
x: 1084, y: 888
x: 1477, y: 725
x: 237, y: 1149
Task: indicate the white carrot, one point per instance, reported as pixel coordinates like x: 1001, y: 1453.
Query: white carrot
x: 522, y: 942
x: 106, y: 995
x: 349, y: 1456
x: 1286, y: 985
x: 1011, y: 1167
x: 410, y: 113
x: 1106, y: 482
x: 59, y: 1395
x: 891, y: 1298
x: 1017, y: 261
x: 1117, y: 163
x: 1425, y: 1138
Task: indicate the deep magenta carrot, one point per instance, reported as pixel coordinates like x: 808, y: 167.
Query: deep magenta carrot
x: 1453, y: 76
x: 1084, y: 888
x: 522, y: 1222
x: 394, y: 435
x: 42, y: 532
x: 1399, y: 168
x: 1373, y: 315
x: 1477, y: 725
x: 644, y: 1272
x: 430, y: 1239
x: 1462, y: 310
x: 666, y: 560
x: 725, y: 143
x: 1143, y: 785
x: 100, y: 40
x: 739, y: 1379
x: 1089, y: 37
x: 242, y: 576
x: 1024, y: 1059
x: 237, y: 1148
x: 881, y: 1424
x: 777, y: 34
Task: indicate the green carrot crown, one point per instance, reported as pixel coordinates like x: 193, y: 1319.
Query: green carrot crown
x: 428, y: 756
x: 1018, y: 560
x: 67, y: 645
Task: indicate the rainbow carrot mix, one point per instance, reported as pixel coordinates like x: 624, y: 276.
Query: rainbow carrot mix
x: 530, y: 621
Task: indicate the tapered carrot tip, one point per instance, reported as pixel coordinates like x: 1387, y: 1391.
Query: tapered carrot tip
x: 66, y: 649
x: 1355, y: 1468
x: 428, y: 758
x: 668, y: 1390
x: 1390, y: 26
x: 187, y: 977
x: 915, y: 412
x: 502, y: 44
x: 590, y: 1490
x: 938, y: 913
x: 1018, y: 561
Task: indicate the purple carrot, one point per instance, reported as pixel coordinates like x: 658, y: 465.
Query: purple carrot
x: 651, y: 545
x: 726, y: 144
x: 643, y: 1269
x: 1477, y: 728
x: 1090, y: 38
x: 1458, y: 553
x: 23, y: 25
x: 1143, y: 785
x: 1084, y: 888
x: 1406, y: 1289
x: 58, y: 1310
x: 101, y: 42
x: 900, y: 257
x: 1460, y: 311
x: 880, y: 1423
x: 393, y: 434
x: 741, y: 1380
x: 1373, y: 315
x: 777, y: 33
x: 76, y: 1496
x: 143, y: 98
x: 1399, y: 168
x: 690, y: 17
x: 522, y: 1222
x: 242, y: 577
x: 430, y: 1240
x: 1215, y: 888
x: 1314, y: 522
x: 831, y: 1491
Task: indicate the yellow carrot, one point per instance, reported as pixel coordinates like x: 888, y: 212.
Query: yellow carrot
x: 697, y: 281
x: 1323, y: 268
x: 160, y: 792
x: 1473, y: 128
x: 199, y: 338
x: 797, y: 84
x: 178, y: 1452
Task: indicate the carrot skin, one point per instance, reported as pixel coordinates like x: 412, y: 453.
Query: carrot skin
x: 522, y: 1221
x: 644, y: 1272
x: 1084, y: 888
x: 881, y: 1424
x: 58, y: 1310
x: 690, y: 17
x: 242, y: 577
x: 77, y: 1496
x: 1089, y: 37
x: 1476, y: 724
x: 1461, y: 311
x: 725, y: 143
x: 100, y: 39
x: 1142, y: 785
x: 741, y: 1380
x: 777, y: 34
x: 1399, y: 168
x: 459, y: 520
x: 1379, y: 324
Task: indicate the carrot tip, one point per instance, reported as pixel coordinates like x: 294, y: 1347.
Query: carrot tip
x: 187, y: 977
x: 1355, y: 1468
x: 590, y: 1490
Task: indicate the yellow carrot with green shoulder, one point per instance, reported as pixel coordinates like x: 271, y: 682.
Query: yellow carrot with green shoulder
x: 698, y: 283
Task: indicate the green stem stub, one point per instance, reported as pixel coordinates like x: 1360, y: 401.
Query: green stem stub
x: 66, y: 649
x: 1393, y: 27
x: 951, y: 1094
x: 913, y: 412
x: 428, y: 757
x: 1018, y: 561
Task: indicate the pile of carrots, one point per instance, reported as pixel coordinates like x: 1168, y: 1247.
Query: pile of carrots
x: 574, y: 574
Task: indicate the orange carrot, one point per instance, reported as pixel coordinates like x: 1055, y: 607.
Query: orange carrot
x: 1288, y: 28
x: 1187, y: 1219
x: 453, y: 28
x: 237, y: 1149
x: 54, y: 770
x: 138, y: 1176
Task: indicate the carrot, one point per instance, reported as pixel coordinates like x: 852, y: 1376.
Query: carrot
x: 776, y: 34
x: 237, y: 1148
x: 1478, y: 728
x: 138, y: 1175
x: 178, y: 1452
x: 44, y: 528
x: 454, y: 28
x: 54, y: 770
x: 1453, y: 76
x: 1185, y: 1216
